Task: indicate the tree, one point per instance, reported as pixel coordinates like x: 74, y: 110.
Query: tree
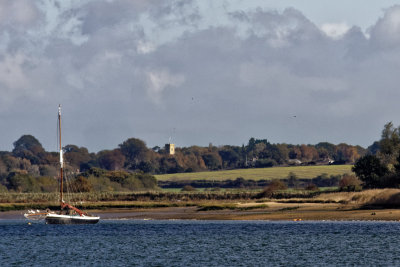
x: 293, y: 180
x: 134, y: 150
x: 374, y: 148
x: 259, y: 148
x: 294, y: 152
x: 111, y: 160
x: 265, y: 163
x: 390, y: 143
x: 326, y: 148
x: 230, y: 158
x: 30, y: 148
x: 145, y: 167
x: 251, y: 145
x: 397, y: 165
x: 27, y: 142
x: 346, y: 153
x: 48, y: 170
x: 283, y: 151
x: 212, y: 160
x: 370, y: 170
x: 349, y: 183
x: 170, y: 165
x: 277, y: 153
x: 76, y: 156
x: 3, y: 168
x: 22, y: 182
x: 308, y: 152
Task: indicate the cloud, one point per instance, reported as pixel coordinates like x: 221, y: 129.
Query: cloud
x: 279, y: 30
x: 386, y: 32
x: 176, y: 13
x: 158, y: 81
x: 11, y: 72
x: 18, y: 13
x: 15, y: 80
x: 140, y: 68
x: 335, y: 30
x: 145, y: 47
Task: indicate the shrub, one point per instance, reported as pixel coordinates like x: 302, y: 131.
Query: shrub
x: 215, y: 189
x: 311, y: 187
x: 274, y: 186
x: 293, y: 180
x: 277, y: 185
x: 189, y: 188
x: 148, y: 180
x: 3, y: 189
x: 350, y: 183
x: 82, y: 184
x: 264, y: 163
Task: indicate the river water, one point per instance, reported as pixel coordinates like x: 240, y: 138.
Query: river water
x: 200, y: 243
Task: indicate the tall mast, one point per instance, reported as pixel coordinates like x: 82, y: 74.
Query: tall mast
x: 61, y: 156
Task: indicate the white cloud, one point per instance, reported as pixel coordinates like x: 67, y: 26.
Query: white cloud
x: 158, y: 81
x: 335, y: 30
x: 145, y: 47
x: 108, y: 61
x: 386, y: 32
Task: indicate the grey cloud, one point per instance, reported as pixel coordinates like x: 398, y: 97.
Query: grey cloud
x: 176, y: 13
x: 110, y: 14
x: 385, y: 34
x: 19, y: 13
x: 212, y: 83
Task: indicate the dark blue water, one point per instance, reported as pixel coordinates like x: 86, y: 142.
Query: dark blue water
x: 200, y: 243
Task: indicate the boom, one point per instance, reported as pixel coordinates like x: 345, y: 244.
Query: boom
x: 65, y: 205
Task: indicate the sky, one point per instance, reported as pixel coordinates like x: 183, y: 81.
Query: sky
x: 196, y: 72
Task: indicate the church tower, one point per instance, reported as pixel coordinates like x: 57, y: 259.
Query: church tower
x: 170, y: 148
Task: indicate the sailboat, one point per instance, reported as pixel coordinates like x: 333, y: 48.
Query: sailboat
x: 67, y: 214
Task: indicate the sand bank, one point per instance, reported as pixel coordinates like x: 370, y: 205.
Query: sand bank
x: 269, y: 211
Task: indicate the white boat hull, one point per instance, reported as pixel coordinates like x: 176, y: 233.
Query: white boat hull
x: 53, y: 218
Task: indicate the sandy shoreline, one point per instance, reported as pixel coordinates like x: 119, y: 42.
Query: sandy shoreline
x: 273, y: 211
x: 376, y: 204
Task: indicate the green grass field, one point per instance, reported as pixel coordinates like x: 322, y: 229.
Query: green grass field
x: 302, y: 172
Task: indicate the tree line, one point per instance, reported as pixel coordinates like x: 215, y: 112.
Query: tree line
x: 30, y: 167
x: 134, y: 155
x: 131, y: 165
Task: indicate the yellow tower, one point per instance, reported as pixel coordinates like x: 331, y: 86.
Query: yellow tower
x: 170, y: 148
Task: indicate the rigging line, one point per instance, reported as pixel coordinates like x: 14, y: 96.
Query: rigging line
x: 75, y: 188
x: 57, y: 190
x: 72, y: 190
x: 69, y: 189
x: 78, y: 191
x: 66, y: 186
